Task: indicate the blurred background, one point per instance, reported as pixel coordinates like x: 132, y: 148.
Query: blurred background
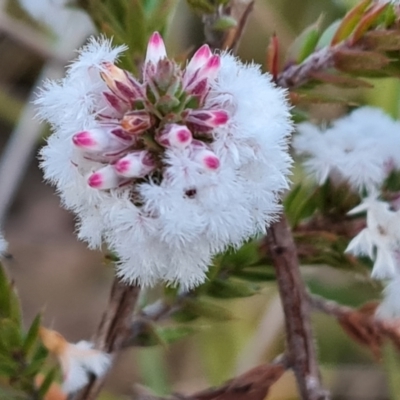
x: 55, y: 273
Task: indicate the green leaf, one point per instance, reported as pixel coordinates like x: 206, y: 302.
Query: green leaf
x: 5, y: 294
x: 49, y: 378
x: 224, y: 23
x: 246, y: 255
x: 350, y: 21
x: 170, y: 334
x: 328, y: 34
x: 227, y: 289
x: 304, y: 44
x: 209, y: 310
x: 10, y: 334
x: 202, y: 6
x: 368, y: 20
x: 32, y: 335
x: 38, y: 359
x: 262, y: 274
x: 8, y: 366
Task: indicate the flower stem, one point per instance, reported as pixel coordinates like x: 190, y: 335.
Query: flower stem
x: 301, y: 352
x: 113, y: 330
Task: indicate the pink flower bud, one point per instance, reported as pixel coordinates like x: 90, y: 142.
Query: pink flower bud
x: 121, y: 83
x: 207, y: 159
x: 204, y: 120
x: 174, y: 135
x: 135, y: 165
x: 155, y: 49
x: 100, y: 141
x: 200, y: 58
x: 136, y: 122
x: 105, y: 178
x: 207, y: 72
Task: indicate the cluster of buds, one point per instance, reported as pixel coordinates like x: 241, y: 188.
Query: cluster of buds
x: 144, y: 119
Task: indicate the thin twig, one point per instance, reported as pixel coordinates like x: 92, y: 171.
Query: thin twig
x: 301, y: 351
x: 239, y: 10
x: 113, y: 329
x: 296, y: 75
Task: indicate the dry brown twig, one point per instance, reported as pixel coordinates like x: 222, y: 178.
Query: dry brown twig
x: 254, y: 384
x: 113, y: 330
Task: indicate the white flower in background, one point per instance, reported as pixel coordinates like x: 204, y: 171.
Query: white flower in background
x: 380, y: 240
x: 77, y: 361
x: 3, y: 245
x: 390, y: 305
x: 360, y: 148
x: 171, y: 169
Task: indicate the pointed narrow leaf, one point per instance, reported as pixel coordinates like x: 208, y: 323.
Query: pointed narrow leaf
x: 32, y: 335
x: 5, y: 294
x: 385, y: 40
x: 328, y: 34
x: 367, y: 21
x: 224, y: 289
x: 273, y: 56
x: 259, y: 275
x: 350, y: 21
x: 340, y: 80
x: 358, y: 60
x: 208, y: 310
x: 47, y: 382
x: 10, y: 334
x: 304, y: 44
x: 171, y: 334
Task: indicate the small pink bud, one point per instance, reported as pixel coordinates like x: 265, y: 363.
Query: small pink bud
x: 207, y: 159
x: 136, y: 122
x: 206, y: 119
x: 135, y: 165
x: 200, y: 58
x: 155, y: 49
x: 207, y: 72
x: 105, y: 178
x: 100, y: 141
x: 174, y: 135
x: 120, y: 82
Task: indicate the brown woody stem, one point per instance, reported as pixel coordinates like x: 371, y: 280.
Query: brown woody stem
x: 113, y: 330
x: 296, y: 75
x: 301, y: 351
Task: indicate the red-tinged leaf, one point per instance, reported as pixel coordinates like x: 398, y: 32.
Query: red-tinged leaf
x: 273, y: 56
x: 252, y: 385
x: 384, y: 40
x: 360, y: 327
x: 350, y: 21
x: 340, y: 80
x: 367, y: 21
x: 349, y: 60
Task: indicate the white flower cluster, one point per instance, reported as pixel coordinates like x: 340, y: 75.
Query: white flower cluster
x: 171, y: 169
x: 380, y: 241
x: 360, y: 148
